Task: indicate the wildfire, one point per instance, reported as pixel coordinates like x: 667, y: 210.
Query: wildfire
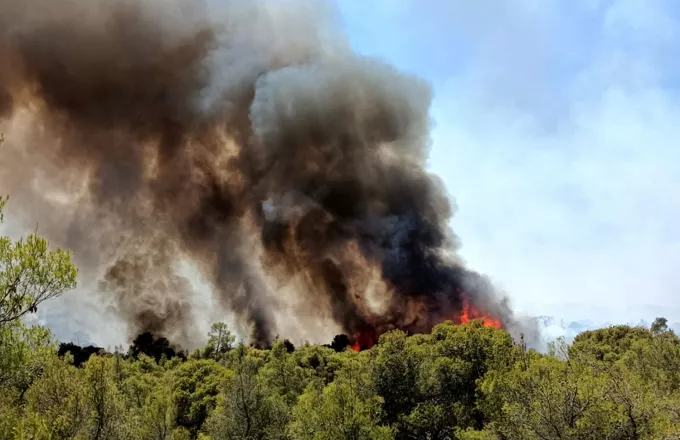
x: 364, y: 340
x: 470, y: 313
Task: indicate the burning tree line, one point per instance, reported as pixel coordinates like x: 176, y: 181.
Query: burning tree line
x: 463, y: 382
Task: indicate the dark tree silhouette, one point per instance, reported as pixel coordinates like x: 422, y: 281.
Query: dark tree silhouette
x: 80, y: 354
x: 289, y: 346
x: 340, y: 343
x: 153, y: 347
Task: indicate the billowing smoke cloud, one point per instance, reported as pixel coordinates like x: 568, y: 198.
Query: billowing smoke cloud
x: 247, y: 138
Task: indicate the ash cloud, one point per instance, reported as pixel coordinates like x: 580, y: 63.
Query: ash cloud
x: 248, y: 139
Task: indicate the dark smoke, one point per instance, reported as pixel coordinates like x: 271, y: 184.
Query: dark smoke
x: 248, y: 139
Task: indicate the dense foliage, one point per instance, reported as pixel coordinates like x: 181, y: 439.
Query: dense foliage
x: 466, y: 382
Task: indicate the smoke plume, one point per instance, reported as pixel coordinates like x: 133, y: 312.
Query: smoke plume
x: 246, y: 138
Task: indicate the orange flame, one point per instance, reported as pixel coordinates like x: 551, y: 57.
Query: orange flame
x: 470, y: 313
x: 364, y: 340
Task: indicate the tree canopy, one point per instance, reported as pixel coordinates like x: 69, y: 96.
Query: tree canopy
x: 30, y: 273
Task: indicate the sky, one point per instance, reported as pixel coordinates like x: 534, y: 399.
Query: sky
x: 556, y: 125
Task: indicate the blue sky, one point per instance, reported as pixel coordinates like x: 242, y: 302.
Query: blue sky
x: 556, y: 131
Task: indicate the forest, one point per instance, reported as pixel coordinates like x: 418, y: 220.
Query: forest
x: 465, y: 382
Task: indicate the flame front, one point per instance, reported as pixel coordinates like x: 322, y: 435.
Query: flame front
x: 365, y: 339
x: 470, y: 312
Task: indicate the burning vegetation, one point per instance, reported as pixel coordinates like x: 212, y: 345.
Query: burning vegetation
x: 249, y: 140
x: 367, y: 338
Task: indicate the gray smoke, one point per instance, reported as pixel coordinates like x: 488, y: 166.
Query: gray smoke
x: 246, y: 138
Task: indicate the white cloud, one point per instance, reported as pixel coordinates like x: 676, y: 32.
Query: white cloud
x: 566, y: 172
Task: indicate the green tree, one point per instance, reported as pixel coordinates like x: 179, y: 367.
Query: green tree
x: 220, y: 340
x: 10, y: 415
x: 159, y: 414
x: 550, y: 399
x: 456, y: 359
x: 23, y: 353
x: 659, y: 325
x: 105, y: 399
x: 318, y: 361
x: 281, y: 375
x: 138, y: 378
x: 195, y: 387
x: 245, y: 410
x: 608, y: 344
x: 635, y: 403
x: 473, y: 434
x: 656, y: 360
x: 30, y: 273
x: 346, y: 409
x: 58, y: 400
x: 396, y: 371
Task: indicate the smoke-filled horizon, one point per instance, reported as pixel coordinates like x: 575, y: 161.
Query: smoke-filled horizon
x: 250, y: 141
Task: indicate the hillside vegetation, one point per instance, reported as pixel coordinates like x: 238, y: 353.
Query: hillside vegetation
x: 467, y: 382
